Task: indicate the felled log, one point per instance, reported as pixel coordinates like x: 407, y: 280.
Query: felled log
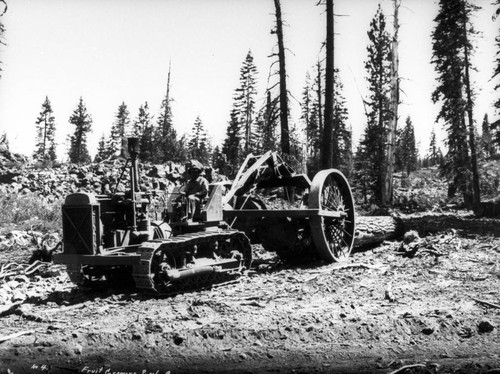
x: 373, y: 230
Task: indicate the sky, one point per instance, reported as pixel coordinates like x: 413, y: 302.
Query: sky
x: 114, y: 51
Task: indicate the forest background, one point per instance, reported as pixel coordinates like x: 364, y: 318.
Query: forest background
x: 96, y: 58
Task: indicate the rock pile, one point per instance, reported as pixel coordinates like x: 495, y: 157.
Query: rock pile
x: 60, y: 180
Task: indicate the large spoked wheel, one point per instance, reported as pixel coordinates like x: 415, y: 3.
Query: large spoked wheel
x: 333, y: 237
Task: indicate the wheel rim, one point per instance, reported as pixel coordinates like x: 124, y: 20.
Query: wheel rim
x: 333, y: 237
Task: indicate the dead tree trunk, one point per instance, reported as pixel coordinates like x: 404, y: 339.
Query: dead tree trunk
x: 329, y: 153
x: 285, y: 134
x: 387, y: 182
x: 476, y: 196
x: 319, y: 94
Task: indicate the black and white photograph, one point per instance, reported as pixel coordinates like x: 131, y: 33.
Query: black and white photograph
x: 266, y: 186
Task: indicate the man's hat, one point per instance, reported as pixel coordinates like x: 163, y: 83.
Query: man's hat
x: 195, y: 165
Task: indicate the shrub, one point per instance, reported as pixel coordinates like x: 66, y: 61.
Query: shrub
x: 29, y: 211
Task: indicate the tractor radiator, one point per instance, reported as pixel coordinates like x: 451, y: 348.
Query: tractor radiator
x: 81, y: 224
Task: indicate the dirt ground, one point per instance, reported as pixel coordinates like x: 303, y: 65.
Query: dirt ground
x: 431, y: 305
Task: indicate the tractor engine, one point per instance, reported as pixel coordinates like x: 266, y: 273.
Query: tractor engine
x: 92, y: 223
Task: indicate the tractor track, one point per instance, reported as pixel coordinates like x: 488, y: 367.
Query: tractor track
x: 145, y: 278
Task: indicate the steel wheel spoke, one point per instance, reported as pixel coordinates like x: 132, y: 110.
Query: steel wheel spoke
x: 333, y: 237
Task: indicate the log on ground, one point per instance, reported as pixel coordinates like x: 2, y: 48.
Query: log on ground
x: 373, y: 230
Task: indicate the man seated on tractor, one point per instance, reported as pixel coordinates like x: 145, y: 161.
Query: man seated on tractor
x: 196, y: 188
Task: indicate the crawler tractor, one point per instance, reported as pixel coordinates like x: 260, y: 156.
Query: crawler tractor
x: 112, y: 236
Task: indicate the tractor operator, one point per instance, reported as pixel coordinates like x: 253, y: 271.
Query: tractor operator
x: 196, y: 187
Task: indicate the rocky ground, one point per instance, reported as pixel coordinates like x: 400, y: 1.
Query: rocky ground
x: 429, y: 305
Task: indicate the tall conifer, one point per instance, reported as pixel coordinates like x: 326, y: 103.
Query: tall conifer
x: 45, y: 148
x: 371, y: 152
x: 487, y: 144
x: 451, y: 58
x: 119, y: 129
x: 406, y: 150
x: 232, y: 144
x: 244, y: 103
x: 82, y: 121
x: 433, y: 149
x: 199, y: 145
x: 143, y: 129
x: 102, y: 150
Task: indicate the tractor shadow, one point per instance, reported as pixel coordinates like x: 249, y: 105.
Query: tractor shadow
x: 105, y: 291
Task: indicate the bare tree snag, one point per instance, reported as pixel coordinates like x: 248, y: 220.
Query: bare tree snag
x: 476, y: 194
x: 394, y: 102
x: 329, y: 150
x: 285, y: 134
x: 319, y: 94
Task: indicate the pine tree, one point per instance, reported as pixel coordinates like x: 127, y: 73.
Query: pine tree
x: 406, y: 150
x: 45, y: 134
x: 369, y: 159
x: 343, y: 133
x: 219, y: 161
x: 296, y: 156
x: 311, y: 113
x: 199, y: 145
x: 371, y: 152
x: 312, y: 119
x: 144, y: 130
x: 232, y: 144
x: 142, y: 121
x: 487, y: 145
x: 362, y: 175
x: 266, y: 125
x: 148, y: 143
x: 244, y: 102
x: 183, y: 152
x: 306, y: 113
x: 102, y: 150
x: 78, y: 152
x: 119, y: 129
x: 451, y: 53
x: 433, y: 150
x: 378, y: 67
